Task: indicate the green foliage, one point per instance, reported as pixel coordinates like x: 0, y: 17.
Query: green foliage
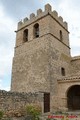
x: 62, y: 119
x: 58, y: 112
x: 7, y: 119
x: 48, y: 119
x: 1, y: 114
x: 34, y: 111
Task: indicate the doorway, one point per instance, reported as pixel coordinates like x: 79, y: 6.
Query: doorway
x: 73, y: 98
x: 46, y: 102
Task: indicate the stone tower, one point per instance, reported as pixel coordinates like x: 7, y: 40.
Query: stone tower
x: 42, y: 52
x: 42, y: 61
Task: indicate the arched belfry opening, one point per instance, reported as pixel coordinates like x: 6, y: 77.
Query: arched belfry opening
x: 25, y: 35
x: 73, y: 98
x: 36, y: 30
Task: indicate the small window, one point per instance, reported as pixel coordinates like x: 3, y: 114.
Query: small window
x: 36, y: 30
x: 63, y: 71
x: 25, y: 35
x: 61, y: 36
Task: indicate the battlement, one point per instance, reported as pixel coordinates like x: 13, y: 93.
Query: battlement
x: 48, y: 11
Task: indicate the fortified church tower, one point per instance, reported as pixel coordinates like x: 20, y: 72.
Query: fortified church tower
x: 42, y: 60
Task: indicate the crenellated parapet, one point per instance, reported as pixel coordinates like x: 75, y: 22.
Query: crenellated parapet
x: 48, y: 11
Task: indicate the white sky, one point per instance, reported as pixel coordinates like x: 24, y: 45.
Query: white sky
x: 12, y: 11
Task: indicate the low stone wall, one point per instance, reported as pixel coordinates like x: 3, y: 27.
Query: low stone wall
x: 15, y: 100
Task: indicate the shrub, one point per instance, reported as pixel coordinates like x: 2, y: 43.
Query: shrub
x: 1, y: 114
x: 16, y: 113
x: 34, y: 111
x: 58, y: 112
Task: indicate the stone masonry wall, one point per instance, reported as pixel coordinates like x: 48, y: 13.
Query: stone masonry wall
x: 75, y: 62
x: 15, y: 100
x: 31, y: 67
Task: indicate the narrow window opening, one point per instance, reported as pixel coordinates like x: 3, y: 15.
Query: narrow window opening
x: 63, y: 71
x: 36, y: 30
x: 61, y: 36
x: 25, y: 36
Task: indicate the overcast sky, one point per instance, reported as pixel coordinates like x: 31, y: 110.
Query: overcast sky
x: 12, y: 11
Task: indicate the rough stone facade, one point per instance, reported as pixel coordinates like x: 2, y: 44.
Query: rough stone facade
x: 43, y: 62
x: 15, y: 100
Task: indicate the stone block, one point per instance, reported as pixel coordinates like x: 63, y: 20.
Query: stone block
x: 25, y: 20
x: 32, y: 15
x: 48, y: 7
x: 39, y: 11
x: 66, y: 25
x: 20, y: 23
x: 60, y: 19
x: 55, y: 13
